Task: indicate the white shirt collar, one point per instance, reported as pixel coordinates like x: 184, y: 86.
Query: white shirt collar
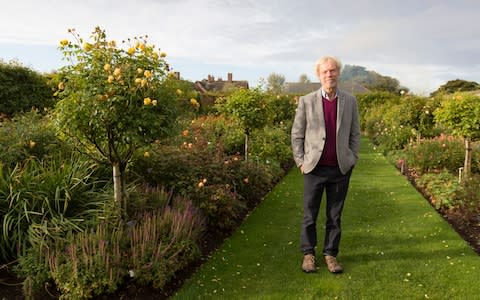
x: 325, y: 95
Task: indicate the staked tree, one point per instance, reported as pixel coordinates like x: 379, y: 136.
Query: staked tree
x: 247, y: 107
x: 460, y: 113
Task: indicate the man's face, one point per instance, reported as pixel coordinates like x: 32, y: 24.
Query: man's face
x: 328, y: 75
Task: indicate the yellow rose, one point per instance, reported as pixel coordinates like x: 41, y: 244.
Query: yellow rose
x: 138, y: 80
x: 61, y: 86
x: 143, y: 82
x: 110, y: 78
x: 154, y: 102
x: 87, y: 46
x: 146, y: 154
x: 32, y: 144
x: 131, y: 50
x: 112, y: 44
x: 147, y: 73
x: 147, y: 101
x: 140, y: 71
x: 141, y: 47
x: 163, y: 54
x: 117, y: 72
x: 107, y: 67
x: 63, y: 43
x: 179, y: 92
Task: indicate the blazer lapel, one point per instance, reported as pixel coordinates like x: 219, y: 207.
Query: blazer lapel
x: 340, y: 108
x: 319, y: 107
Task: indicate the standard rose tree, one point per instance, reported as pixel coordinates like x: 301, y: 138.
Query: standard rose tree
x: 114, y: 99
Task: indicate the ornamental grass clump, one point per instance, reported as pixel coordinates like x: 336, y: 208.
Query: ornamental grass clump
x: 45, y: 199
x: 163, y: 242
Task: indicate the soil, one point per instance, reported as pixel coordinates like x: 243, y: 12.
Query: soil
x: 11, y: 288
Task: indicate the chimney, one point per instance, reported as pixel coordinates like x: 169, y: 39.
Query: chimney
x: 229, y: 77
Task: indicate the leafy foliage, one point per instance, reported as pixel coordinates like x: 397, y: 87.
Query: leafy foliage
x: 29, y: 135
x: 443, y: 188
x: 114, y: 99
x: 222, y: 186
x: 435, y: 154
x: 40, y: 199
x: 460, y: 113
x: 22, y: 89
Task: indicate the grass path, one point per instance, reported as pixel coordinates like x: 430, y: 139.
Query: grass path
x: 394, y: 246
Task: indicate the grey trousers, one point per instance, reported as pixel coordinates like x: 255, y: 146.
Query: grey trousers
x: 335, y: 184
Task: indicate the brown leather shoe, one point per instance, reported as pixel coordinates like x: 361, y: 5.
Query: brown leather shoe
x: 308, y: 265
x: 332, y: 265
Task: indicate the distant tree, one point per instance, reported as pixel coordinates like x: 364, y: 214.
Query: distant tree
x: 275, y: 83
x: 371, y: 79
x: 356, y: 73
x: 456, y: 85
x: 384, y: 84
x: 304, y: 79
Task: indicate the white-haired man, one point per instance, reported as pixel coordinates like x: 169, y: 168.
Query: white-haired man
x: 325, y: 143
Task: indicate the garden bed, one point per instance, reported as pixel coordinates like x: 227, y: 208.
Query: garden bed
x: 467, y: 228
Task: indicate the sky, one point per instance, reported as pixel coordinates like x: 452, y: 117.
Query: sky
x: 422, y: 43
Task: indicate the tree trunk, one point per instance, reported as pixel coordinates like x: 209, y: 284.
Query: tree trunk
x: 246, y: 147
x: 117, y: 185
x: 468, y: 159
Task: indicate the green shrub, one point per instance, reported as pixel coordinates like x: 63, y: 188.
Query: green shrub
x: 372, y: 101
x: 182, y: 169
x: 443, y: 188
x: 221, y: 205
x: 218, y: 134
x: 281, y: 108
x: 22, y: 89
x: 272, y: 144
x: 28, y: 135
x: 443, y: 152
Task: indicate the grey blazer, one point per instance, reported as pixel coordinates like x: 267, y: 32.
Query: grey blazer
x: 308, y: 131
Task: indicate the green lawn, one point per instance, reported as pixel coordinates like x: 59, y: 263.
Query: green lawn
x: 394, y: 246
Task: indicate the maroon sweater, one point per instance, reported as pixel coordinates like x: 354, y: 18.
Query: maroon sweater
x: 329, y: 155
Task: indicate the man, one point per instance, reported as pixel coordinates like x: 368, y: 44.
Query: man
x: 325, y: 144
